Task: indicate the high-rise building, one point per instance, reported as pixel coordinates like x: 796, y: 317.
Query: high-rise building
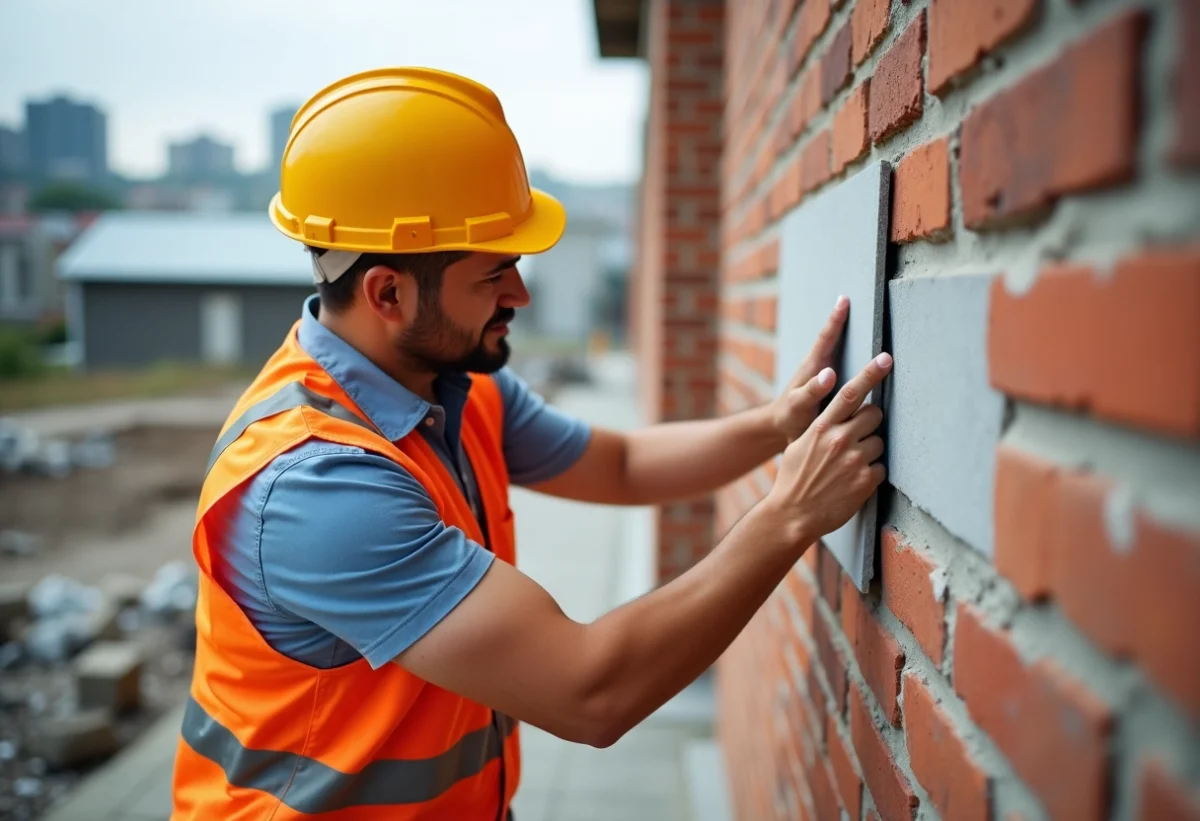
x: 14, y: 157
x: 281, y: 126
x: 66, y: 140
x: 201, y: 158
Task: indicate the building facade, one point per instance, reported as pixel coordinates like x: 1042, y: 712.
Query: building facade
x: 200, y: 158
x: 1026, y: 646
x: 66, y: 140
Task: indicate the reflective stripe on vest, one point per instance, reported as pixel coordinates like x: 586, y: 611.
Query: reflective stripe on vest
x: 306, y: 785
x: 291, y: 395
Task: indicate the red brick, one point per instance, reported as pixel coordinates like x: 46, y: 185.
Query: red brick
x: 802, y: 595
x: 1186, y: 86
x: 940, y: 760
x: 828, y: 577
x: 897, y: 90
x: 807, y: 101
x: 765, y: 309
x: 908, y: 592
x: 1068, y: 127
x: 812, y: 20
x: 835, y: 64
x: 814, y: 162
x: 961, y: 32
x: 869, y: 21
x: 819, y: 703
x: 1137, y: 599
x: 880, y: 659
x: 825, y: 798
x: 849, y: 783
x: 1163, y: 798
x: 831, y: 661
x: 1023, y: 511
x: 921, y: 202
x: 1128, y: 348
x: 894, y: 796
x: 850, y: 128
x: 851, y: 602
x: 1052, y: 730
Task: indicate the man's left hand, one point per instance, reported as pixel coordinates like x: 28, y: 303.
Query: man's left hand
x: 795, y: 409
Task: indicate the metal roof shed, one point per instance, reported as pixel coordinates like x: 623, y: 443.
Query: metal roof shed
x: 218, y: 288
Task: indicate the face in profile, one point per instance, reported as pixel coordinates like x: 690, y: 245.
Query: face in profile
x: 464, y: 327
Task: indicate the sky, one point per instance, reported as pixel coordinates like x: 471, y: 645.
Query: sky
x: 167, y: 70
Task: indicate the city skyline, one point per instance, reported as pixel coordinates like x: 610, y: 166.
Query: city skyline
x: 576, y: 118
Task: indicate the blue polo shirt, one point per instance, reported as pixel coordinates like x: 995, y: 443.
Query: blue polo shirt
x: 335, y: 553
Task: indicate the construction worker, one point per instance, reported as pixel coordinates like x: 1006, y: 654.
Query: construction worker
x: 365, y: 645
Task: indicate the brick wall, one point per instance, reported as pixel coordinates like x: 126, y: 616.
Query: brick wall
x: 674, y: 297
x: 1053, y: 672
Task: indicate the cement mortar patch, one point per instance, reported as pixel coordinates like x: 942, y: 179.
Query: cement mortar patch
x: 943, y: 418
x: 1150, y: 727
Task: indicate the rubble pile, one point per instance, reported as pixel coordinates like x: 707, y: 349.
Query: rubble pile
x: 24, y: 451
x: 83, y: 670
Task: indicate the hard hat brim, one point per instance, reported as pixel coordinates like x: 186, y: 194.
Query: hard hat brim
x: 539, y: 231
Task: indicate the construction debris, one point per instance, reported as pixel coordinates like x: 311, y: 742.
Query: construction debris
x: 109, y: 675
x: 22, y: 450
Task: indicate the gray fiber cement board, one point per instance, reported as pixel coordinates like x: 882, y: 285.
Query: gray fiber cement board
x: 835, y: 244
x: 943, y: 417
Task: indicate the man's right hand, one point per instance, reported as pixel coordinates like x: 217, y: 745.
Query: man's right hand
x: 827, y: 474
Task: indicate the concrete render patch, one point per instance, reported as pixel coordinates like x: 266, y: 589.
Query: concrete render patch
x: 831, y: 245
x: 943, y: 418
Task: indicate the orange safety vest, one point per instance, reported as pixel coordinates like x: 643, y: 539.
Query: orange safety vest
x: 264, y: 736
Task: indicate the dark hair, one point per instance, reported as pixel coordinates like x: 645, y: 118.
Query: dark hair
x: 426, y: 268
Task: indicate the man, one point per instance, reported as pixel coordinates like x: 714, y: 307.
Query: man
x: 365, y: 645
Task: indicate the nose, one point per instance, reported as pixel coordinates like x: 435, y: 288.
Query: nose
x: 515, y: 295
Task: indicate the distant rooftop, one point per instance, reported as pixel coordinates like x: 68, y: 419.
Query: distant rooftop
x: 185, y: 247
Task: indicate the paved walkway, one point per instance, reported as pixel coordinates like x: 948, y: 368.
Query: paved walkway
x: 580, y: 554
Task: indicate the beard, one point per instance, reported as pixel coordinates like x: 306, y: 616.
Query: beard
x: 436, y: 344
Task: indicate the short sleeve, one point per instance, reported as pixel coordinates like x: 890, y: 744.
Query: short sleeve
x: 540, y: 440
x: 353, y: 543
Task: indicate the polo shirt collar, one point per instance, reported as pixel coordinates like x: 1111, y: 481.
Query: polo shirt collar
x: 393, y: 408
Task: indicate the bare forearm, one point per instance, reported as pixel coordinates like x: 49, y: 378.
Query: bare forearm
x: 646, y: 651
x: 679, y: 460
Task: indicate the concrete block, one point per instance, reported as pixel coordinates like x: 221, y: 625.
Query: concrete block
x: 831, y: 245
x: 69, y: 740
x: 124, y: 589
x: 943, y: 417
x: 14, y: 608
x: 109, y: 675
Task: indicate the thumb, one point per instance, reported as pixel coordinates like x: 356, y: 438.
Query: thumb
x: 817, y: 388
x: 802, y: 400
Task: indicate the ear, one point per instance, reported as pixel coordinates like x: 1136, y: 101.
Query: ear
x: 392, y: 295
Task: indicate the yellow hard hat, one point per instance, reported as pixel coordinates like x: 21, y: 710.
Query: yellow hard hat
x: 402, y: 160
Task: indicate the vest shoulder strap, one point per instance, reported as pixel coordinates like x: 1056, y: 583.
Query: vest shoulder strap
x: 290, y: 396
